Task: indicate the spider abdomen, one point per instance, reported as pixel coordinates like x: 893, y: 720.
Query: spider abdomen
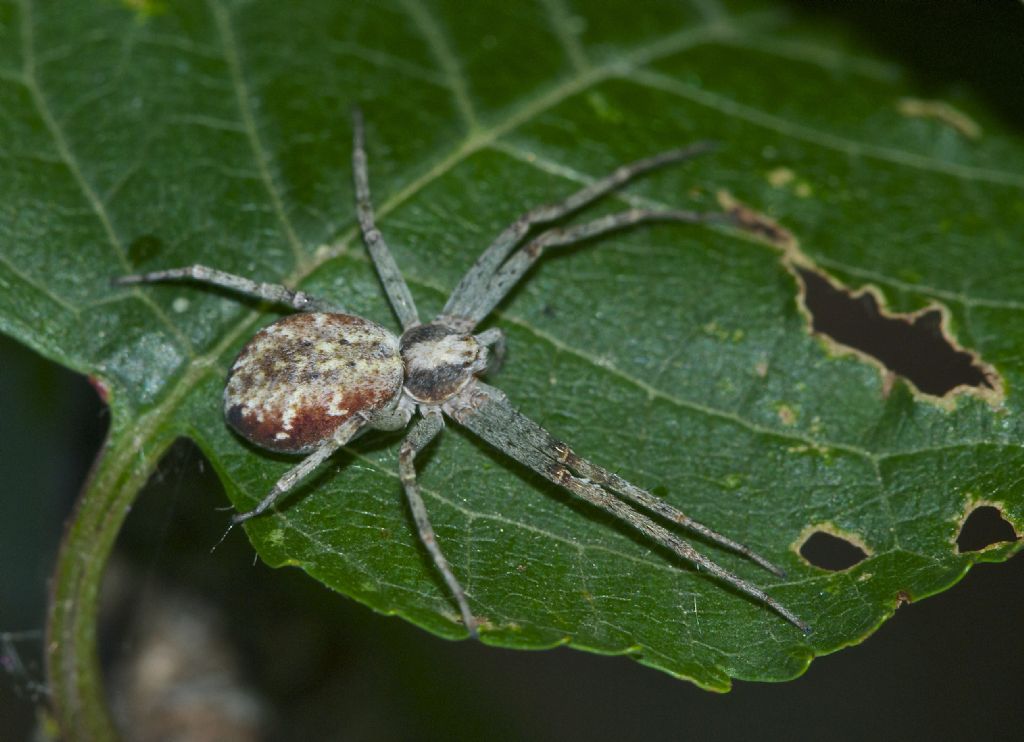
x: 300, y: 378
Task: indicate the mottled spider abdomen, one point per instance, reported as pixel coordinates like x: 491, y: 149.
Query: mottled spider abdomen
x: 300, y: 378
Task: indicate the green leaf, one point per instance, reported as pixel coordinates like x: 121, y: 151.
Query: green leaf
x: 146, y: 135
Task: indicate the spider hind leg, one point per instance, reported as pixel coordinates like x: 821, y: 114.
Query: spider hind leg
x: 303, y: 469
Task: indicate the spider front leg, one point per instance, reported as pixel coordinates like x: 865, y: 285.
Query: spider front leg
x: 509, y: 274
x: 271, y: 292
x: 421, y: 434
x: 394, y: 285
x: 486, y: 412
x: 645, y: 499
x: 460, y: 303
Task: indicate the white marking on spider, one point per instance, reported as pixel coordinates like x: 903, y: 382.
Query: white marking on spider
x: 311, y: 382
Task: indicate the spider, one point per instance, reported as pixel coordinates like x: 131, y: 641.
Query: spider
x: 312, y: 381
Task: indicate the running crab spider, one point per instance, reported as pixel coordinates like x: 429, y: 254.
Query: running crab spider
x: 312, y: 381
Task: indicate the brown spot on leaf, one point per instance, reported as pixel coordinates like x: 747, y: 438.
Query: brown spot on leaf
x: 940, y: 111
x: 756, y: 224
x: 143, y: 248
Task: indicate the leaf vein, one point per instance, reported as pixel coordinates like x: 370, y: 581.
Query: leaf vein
x: 811, y: 135
x: 671, y: 44
x: 243, y: 98
x: 388, y: 61
x: 561, y: 170
x: 41, y: 288
x: 69, y: 161
x: 561, y: 21
x: 825, y: 58
x: 919, y: 288
x: 439, y: 46
x: 710, y: 10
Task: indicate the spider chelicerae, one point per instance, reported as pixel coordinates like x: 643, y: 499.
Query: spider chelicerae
x: 312, y: 381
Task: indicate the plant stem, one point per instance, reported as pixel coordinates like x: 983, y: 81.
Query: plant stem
x: 72, y: 658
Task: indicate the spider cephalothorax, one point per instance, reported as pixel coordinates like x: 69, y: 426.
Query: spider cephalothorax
x: 311, y: 382
x: 440, y: 362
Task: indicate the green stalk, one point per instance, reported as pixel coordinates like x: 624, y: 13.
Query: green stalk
x: 72, y: 659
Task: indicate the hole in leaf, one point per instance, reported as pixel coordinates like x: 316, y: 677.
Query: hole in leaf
x: 831, y: 552
x: 984, y: 526
x: 913, y: 346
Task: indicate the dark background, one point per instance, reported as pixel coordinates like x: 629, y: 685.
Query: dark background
x: 319, y: 666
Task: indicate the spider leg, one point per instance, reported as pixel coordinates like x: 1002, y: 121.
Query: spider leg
x: 506, y: 277
x: 486, y: 412
x: 421, y: 434
x: 594, y: 473
x: 387, y: 269
x: 396, y: 418
x: 473, y: 283
x: 305, y: 467
x: 272, y: 292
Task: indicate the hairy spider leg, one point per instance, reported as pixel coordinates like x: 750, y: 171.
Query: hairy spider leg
x: 645, y: 499
x: 461, y: 302
x: 272, y: 292
x: 394, y: 284
x: 346, y: 432
x: 421, y: 434
x: 486, y: 412
x: 506, y: 277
